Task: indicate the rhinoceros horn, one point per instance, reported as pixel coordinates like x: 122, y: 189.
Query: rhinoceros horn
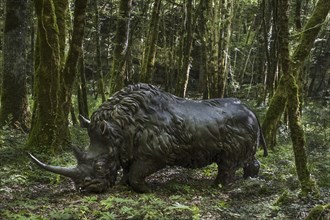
x: 71, y: 172
x: 84, y: 122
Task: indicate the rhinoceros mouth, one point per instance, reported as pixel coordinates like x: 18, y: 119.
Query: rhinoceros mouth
x: 95, y: 186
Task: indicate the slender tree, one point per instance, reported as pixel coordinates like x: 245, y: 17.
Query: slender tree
x: 99, y: 73
x: 82, y: 88
x: 118, y: 70
x: 227, y: 13
x: 278, y: 102
x: 290, y: 93
x: 185, y: 61
x: 148, y: 61
x: 202, y: 36
x: 68, y: 74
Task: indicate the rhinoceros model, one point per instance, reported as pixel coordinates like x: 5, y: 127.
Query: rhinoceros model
x: 142, y: 129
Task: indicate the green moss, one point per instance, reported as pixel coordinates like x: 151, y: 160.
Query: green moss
x: 274, y: 114
x: 47, y: 132
x: 285, y: 198
x: 311, y: 31
x: 319, y: 212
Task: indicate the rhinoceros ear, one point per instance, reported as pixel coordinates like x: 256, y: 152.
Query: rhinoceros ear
x: 84, y: 122
x: 105, y: 128
x: 78, y: 153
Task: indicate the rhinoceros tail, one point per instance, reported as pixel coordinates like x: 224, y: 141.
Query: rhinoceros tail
x: 262, y: 140
x: 263, y: 143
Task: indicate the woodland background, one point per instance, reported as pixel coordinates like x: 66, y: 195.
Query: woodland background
x: 64, y: 58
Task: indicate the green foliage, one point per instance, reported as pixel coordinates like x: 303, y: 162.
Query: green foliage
x: 319, y: 212
x: 316, y: 124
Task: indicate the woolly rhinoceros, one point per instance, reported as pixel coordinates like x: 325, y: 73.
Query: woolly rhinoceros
x: 142, y: 129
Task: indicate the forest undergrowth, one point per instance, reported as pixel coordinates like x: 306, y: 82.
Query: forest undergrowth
x: 26, y: 192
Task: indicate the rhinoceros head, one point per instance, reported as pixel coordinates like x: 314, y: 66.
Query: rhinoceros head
x: 96, y: 168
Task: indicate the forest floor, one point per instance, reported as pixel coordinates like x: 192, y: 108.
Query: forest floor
x: 26, y: 192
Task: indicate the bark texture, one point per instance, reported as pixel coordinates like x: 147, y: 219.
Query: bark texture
x: 185, y: 61
x: 148, y: 62
x: 44, y: 134
x: 118, y: 71
x: 68, y: 74
x: 53, y: 82
x: 14, y: 102
x: 289, y: 83
x: 277, y: 104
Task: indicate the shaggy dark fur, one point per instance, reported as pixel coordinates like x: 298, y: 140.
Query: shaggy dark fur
x: 145, y: 129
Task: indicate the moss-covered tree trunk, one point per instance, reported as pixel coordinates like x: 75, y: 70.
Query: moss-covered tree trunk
x: 288, y: 82
x: 68, y: 74
x: 14, y: 102
x: 53, y: 82
x: 44, y: 134
x: 61, y: 10
x: 308, y: 35
x: 118, y: 69
x: 148, y: 62
x: 278, y: 101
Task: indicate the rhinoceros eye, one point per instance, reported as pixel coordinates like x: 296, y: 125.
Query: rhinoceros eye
x: 99, y: 166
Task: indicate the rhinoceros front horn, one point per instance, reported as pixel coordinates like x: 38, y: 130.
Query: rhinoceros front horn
x: 71, y: 172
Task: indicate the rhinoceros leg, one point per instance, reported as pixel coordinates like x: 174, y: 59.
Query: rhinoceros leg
x: 251, y: 169
x: 139, y: 170
x: 226, y: 174
x: 124, y: 180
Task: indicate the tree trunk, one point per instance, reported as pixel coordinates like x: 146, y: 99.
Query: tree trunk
x: 148, y: 62
x: 277, y: 103
x: 44, y: 134
x: 82, y: 89
x: 61, y: 10
x: 185, y: 62
x: 271, y: 46
x: 213, y: 47
x: 100, y: 82
x: 14, y: 102
x: 308, y: 36
x: 297, y: 16
x: 68, y: 75
x: 202, y: 36
x: 121, y: 47
x: 227, y: 13
x: 53, y: 85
